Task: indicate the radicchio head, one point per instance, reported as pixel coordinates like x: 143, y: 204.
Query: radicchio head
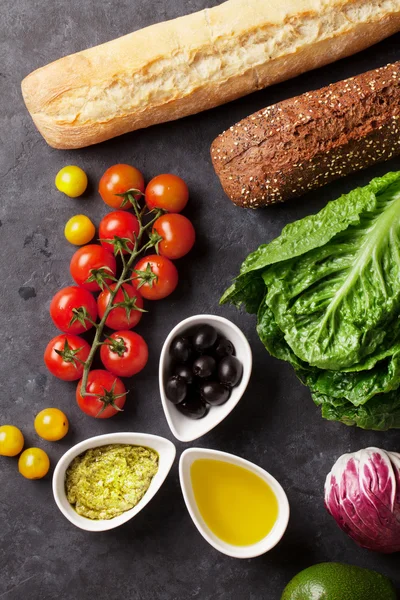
x: 362, y: 493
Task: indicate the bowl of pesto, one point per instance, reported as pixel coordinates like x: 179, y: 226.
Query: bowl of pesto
x: 106, y: 480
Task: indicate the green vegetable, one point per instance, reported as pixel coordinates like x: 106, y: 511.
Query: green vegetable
x: 336, y: 581
x: 327, y: 295
x: 381, y: 413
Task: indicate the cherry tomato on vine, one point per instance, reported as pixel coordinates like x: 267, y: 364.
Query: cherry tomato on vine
x: 11, y: 440
x: 168, y: 192
x: 158, y: 277
x: 118, y: 179
x: 90, y: 265
x: 72, y: 181
x: 124, y: 353
x: 122, y: 225
x: 64, y: 356
x: 121, y: 317
x: 178, y: 235
x: 33, y: 463
x: 79, y: 230
x: 109, y: 395
x: 70, y: 308
x: 51, y: 424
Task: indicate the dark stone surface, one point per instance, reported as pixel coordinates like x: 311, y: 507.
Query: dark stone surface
x: 159, y: 555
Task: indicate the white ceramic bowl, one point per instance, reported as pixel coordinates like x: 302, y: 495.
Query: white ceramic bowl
x: 264, y: 545
x: 184, y: 428
x: 166, y: 451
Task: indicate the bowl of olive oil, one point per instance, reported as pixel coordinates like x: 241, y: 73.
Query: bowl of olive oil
x: 238, y: 507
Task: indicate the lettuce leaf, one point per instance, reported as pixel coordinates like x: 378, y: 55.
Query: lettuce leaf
x: 359, y: 387
x: 307, y: 234
x: 335, y: 304
x: 356, y: 387
x: 327, y: 296
x: 379, y: 414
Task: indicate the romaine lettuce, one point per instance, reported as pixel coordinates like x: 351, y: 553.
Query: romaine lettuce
x: 327, y: 294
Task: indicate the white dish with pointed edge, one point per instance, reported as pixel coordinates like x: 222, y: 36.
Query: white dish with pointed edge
x: 165, y: 449
x: 275, y: 535
x: 184, y: 428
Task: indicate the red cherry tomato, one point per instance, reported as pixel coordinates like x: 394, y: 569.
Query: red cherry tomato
x: 122, y: 317
x: 109, y: 395
x: 124, y: 353
x: 168, y: 192
x: 118, y: 224
x: 178, y: 235
x: 159, y: 275
x: 64, y: 355
x: 118, y: 179
x: 92, y: 261
x: 66, y: 302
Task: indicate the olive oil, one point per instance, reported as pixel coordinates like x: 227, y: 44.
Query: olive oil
x: 237, y: 505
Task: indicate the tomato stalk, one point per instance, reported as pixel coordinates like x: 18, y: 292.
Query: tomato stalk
x: 129, y: 303
x: 107, y: 399
x: 123, y: 278
x: 146, y: 276
x: 69, y: 355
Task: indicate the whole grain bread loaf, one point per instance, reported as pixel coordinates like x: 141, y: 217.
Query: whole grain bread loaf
x: 305, y: 142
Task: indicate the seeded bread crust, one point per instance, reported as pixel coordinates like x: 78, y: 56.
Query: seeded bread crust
x: 302, y: 143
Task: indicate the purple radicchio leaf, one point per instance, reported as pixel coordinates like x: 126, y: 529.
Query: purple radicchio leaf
x: 362, y: 493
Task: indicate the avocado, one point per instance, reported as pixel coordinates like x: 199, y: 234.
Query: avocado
x: 336, y: 581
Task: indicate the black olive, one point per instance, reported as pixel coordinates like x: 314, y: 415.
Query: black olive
x: 176, y: 389
x: 214, y: 393
x: 204, y: 338
x: 181, y: 349
x: 223, y: 348
x: 204, y: 366
x: 194, y: 408
x: 230, y: 371
x: 184, y: 372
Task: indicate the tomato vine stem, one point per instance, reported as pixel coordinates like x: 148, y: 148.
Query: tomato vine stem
x: 123, y: 278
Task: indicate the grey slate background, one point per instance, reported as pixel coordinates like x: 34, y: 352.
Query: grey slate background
x: 159, y: 555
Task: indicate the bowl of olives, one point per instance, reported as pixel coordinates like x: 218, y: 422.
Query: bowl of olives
x: 205, y: 366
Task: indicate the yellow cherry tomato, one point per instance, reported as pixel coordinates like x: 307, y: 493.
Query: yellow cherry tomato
x: 51, y: 424
x: 79, y: 230
x: 72, y: 181
x: 33, y: 463
x: 11, y: 440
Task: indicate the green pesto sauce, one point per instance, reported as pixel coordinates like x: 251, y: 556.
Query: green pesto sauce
x: 104, y: 482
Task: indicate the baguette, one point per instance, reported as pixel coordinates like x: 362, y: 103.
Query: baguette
x: 181, y: 67
x: 305, y: 142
